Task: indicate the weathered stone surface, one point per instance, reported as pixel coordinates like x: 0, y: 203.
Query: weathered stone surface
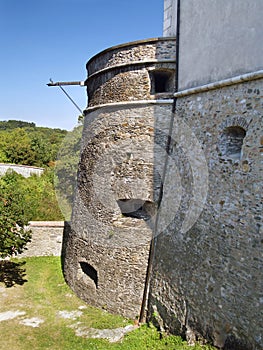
x: 207, y: 263
x: 46, y: 239
x: 106, y: 247
x: 118, y: 163
x: 125, y: 72
x: 208, y: 280
x: 144, y: 51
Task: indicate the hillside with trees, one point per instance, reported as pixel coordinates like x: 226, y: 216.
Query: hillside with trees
x: 25, y: 143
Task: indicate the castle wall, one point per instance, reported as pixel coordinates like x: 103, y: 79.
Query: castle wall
x: 106, y: 247
x: 117, y: 164
x: 207, y: 263
x: 203, y: 193
x: 123, y: 73
x: 207, y: 278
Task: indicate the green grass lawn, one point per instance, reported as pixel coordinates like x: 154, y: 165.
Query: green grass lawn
x: 35, y: 288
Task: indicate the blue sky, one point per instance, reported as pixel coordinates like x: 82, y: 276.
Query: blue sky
x: 42, y: 39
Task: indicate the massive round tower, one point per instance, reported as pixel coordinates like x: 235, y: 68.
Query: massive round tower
x: 106, y: 246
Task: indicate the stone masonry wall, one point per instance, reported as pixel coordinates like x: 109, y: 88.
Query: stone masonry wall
x: 46, y: 239
x: 117, y: 165
x: 124, y: 73
x: 106, y: 247
x: 207, y: 281
x: 137, y: 51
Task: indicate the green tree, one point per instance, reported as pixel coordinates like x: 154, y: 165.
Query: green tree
x: 65, y: 179
x: 41, y: 198
x: 13, y: 218
x: 24, y: 143
x: 18, y: 147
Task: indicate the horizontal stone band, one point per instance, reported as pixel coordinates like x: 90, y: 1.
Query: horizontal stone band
x: 219, y: 84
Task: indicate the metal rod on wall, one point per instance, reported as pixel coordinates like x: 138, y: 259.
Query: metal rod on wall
x: 59, y: 83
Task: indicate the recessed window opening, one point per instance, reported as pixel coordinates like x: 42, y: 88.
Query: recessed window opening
x: 89, y: 271
x: 231, y: 142
x: 136, y: 208
x: 161, y: 81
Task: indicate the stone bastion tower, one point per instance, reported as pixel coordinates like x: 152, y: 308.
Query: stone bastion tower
x: 106, y: 247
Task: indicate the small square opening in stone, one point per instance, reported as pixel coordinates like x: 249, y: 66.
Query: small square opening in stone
x: 161, y: 81
x: 136, y: 208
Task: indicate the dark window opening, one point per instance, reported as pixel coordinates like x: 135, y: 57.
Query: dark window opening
x: 136, y: 208
x: 231, y: 142
x: 161, y: 81
x: 90, y: 272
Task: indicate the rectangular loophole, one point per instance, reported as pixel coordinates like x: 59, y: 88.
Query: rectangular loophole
x: 161, y: 81
x: 136, y: 208
x: 89, y: 271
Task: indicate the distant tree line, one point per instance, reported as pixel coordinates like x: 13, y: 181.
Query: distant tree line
x: 14, y: 124
x: 25, y: 143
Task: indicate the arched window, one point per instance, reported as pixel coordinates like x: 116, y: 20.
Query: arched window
x: 231, y: 142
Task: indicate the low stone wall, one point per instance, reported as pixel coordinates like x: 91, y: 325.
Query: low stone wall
x: 46, y: 239
x: 24, y: 170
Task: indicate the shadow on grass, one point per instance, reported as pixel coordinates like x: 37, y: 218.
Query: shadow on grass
x: 12, y: 273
